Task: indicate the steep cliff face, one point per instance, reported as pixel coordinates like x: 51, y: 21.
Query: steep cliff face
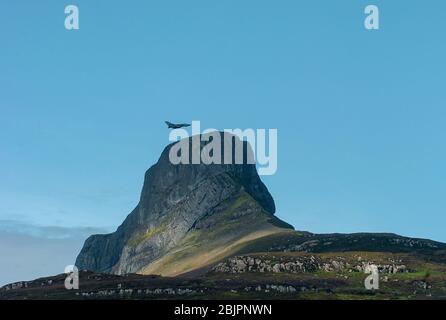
x: 188, y: 216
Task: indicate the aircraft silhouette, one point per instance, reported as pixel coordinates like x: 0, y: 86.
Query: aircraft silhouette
x: 171, y: 125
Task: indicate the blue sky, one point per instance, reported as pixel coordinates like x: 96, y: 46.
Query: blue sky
x: 360, y: 113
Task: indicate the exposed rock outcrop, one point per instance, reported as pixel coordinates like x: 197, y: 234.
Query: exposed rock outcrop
x: 186, y: 211
x: 304, y: 264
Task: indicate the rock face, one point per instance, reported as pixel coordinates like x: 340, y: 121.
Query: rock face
x: 304, y: 264
x: 187, y: 213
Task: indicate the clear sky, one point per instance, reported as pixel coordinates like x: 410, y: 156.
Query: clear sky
x: 360, y: 114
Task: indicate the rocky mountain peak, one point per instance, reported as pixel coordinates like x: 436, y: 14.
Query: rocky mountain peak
x: 183, y: 205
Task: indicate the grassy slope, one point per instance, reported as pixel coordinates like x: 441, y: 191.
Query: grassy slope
x: 203, y: 247
x: 262, y: 232
x: 340, y: 284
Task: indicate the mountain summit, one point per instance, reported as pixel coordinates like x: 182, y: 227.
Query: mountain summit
x: 215, y: 224
x: 189, y: 216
